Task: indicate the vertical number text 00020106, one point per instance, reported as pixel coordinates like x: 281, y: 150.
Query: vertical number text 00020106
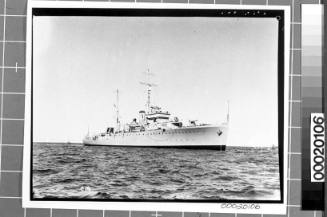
x: 317, y: 141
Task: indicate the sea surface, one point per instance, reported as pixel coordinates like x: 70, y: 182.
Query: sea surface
x: 75, y: 171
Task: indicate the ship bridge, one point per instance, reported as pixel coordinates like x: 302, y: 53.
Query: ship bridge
x: 155, y: 113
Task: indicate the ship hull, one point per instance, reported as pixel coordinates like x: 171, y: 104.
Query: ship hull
x: 199, y: 137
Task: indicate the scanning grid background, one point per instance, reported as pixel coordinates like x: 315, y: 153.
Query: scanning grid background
x: 12, y: 86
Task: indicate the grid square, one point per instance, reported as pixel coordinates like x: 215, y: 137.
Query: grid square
x: 296, y: 36
x: 254, y: 2
x: 90, y: 213
x: 142, y: 214
x: 296, y: 140
x: 170, y: 214
x: 11, y: 158
x: 123, y: 0
x: 296, y: 62
x: 10, y: 207
x: 1, y: 52
x: 15, y: 28
x: 248, y: 215
x: 237, y: 2
x: 1, y: 28
x: 11, y: 184
x: 296, y: 12
x: 319, y: 214
x: 297, y: 212
x: 2, y: 6
x: 295, y: 197
x: 289, y: 83
x: 296, y: 114
x: 175, y: 1
x: 274, y: 215
x: 222, y: 215
x: 14, y: 53
x: 12, y: 132
x: 13, y: 106
x: 296, y: 88
x: 295, y: 165
x: 196, y: 214
x: 279, y: 2
x: 17, y: 7
x: 64, y: 213
x: 1, y: 79
x: 202, y: 1
x: 154, y: 1
x: 35, y: 212
x: 14, y: 81
x: 309, y: 1
x: 113, y: 213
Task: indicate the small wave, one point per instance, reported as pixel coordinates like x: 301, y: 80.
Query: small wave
x: 203, y: 174
x: 188, y: 167
x: 155, y: 191
x: 256, y: 193
x: 87, y: 166
x: 272, y: 170
x: 119, y: 184
x: 212, y: 197
x: 164, y: 171
x: 86, y: 192
x: 70, y: 160
x: 79, y: 195
x: 124, y: 197
x: 47, y: 197
x: 226, y: 178
x: 132, y: 178
x: 154, y: 182
x: 44, y: 171
x: 91, y: 195
x: 177, y: 180
x: 181, y: 188
x: 251, y: 191
x: 216, y: 172
x: 65, y: 180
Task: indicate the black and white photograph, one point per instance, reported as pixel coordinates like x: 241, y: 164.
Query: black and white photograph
x: 134, y: 105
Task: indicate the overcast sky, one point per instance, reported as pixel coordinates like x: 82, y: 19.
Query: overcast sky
x: 199, y: 65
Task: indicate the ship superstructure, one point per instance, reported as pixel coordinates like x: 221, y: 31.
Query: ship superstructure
x: 156, y: 127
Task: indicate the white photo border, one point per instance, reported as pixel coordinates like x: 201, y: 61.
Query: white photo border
x: 254, y: 208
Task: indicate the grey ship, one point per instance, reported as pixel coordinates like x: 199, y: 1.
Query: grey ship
x: 157, y: 128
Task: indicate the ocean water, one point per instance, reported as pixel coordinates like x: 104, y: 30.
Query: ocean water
x: 83, y: 172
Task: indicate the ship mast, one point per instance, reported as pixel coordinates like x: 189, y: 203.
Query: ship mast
x: 117, y: 110
x: 149, y: 86
x: 227, y: 111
